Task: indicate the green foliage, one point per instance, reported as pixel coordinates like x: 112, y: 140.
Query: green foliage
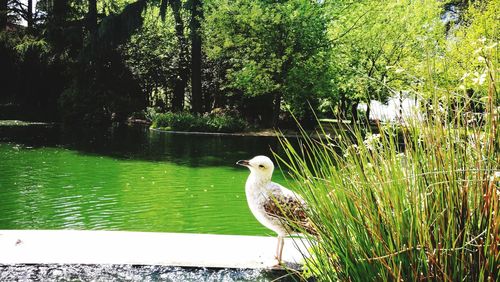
x: 473, y: 50
x: 374, y: 41
x: 29, y: 71
x: 152, y: 55
x: 414, y: 202
x: 455, y: 64
x: 150, y: 113
x: 275, y: 48
x: 60, y: 65
x: 266, y: 59
x: 101, y: 91
x: 225, y: 123
x: 102, y: 88
x: 117, y: 28
x: 32, y: 47
x: 428, y: 212
x: 206, y: 123
x: 9, y: 59
x: 179, y: 122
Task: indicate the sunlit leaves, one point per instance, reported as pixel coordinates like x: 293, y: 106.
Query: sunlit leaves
x: 373, y: 39
x: 271, y: 46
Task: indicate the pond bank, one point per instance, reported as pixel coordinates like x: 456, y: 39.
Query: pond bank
x: 260, y: 133
x: 13, y: 122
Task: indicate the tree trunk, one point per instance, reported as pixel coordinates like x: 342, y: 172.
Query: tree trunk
x: 29, y: 14
x: 196, y: 15
x: 368, y: 110
x: 59, y: 11
x: 342, y: 106
x: 354, y: 111
x: 276, y: 108
x: 92, y: 16
x: 400, y: 107
x: 179, y: 88
x: 3, y: 14
x: 183, y: 67
x: 56, y: 19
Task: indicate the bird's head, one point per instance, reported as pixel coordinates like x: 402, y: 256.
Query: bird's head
x: 260, y: 166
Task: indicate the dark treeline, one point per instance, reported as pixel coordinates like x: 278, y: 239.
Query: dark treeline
x: 98, y: 61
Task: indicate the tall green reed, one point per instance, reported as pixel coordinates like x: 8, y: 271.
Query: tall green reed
x: 417, y: 201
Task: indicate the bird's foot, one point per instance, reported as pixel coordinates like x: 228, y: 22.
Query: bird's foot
x: 279, y: 264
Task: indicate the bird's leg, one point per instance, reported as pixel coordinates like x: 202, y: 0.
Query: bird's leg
x: 279, y: 249
x: 282, y: 243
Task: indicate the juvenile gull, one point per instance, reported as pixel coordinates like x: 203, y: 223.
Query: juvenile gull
x: 274, y: 206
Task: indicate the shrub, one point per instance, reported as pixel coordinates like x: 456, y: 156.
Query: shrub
x: 225, y: 123
x: 150, y: 113
x: 163, y: 121
x: 205, y: 123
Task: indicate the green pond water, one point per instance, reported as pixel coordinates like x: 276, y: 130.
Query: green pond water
x: 126, y: 178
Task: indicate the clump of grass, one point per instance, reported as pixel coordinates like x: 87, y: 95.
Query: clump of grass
x: 417, y: 203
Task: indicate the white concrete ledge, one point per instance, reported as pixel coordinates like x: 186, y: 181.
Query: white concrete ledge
x: 143, y: 248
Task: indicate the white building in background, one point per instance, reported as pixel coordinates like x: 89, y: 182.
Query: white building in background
x: 397, y: 109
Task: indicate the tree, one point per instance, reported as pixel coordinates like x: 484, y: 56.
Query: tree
x: 152, y: 54
x: 471, y: 59
x: 60, y: 9
x: 3, y: 14
x: 272, y: 45
x: 21, y: 10
x: 197, y: 95
x: 29, y: 14
x: 92, y: 16
x: 183, y: 63
x: 102, y: 88
x: 373, y: 41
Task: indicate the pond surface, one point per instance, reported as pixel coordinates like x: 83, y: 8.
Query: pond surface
x: 126, y: 178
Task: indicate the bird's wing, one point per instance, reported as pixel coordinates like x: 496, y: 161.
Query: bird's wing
x: 288, y: 207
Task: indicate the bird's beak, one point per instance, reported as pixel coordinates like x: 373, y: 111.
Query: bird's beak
x: 243, y: 163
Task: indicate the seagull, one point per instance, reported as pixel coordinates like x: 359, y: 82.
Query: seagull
x: 273, y: 205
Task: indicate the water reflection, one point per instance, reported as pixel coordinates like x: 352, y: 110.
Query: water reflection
x: 138, y: 142
x: 127, y: 179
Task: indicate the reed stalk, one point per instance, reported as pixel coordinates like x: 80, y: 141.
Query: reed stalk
x: 417, y: 201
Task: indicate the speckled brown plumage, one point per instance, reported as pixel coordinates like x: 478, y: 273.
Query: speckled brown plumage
x: 290, y: 211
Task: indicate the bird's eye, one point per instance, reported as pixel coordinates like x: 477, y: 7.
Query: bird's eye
x: 261, y: 166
